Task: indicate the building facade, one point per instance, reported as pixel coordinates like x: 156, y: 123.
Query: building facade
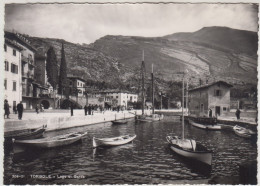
x: 215, y: 96
x: 77, y: 85
x: 27, y: 67
x: 12, y: 76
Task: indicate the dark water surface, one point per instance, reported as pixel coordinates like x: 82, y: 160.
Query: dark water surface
x: 148, y: 160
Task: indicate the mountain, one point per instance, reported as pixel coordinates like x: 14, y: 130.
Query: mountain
x: 82, y: 61
x: 212, y: 53
x: 227, y: 38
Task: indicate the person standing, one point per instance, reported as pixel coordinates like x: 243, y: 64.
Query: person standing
x: 37, y: 109
x: 71, y: 109
x: 7, y: 111
x: 14, y: 109
x: 238, y: 114
x: 86, y: 110
x: 89, y: 109
x: 20, y: 110
x: 210, y: 113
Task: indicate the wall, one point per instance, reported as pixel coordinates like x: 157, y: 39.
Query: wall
x: 197, y: 98
x: 222, y: 101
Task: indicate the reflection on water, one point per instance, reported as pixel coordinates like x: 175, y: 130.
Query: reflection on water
x: 148, y: 160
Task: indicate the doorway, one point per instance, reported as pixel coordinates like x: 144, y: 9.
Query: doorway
x: 217, y: 111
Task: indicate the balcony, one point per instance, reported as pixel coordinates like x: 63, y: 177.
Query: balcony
x: 25, y: 59
x: 28, y: 75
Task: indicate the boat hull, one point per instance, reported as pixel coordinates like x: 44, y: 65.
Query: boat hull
x: 46, y: 143
x: 243, y: 132
x: 150, y: 118
x: 26, y: 134
x: 112, y: 141
x: 206, y: 127
x: 202, y: 156
x: 119, y: 122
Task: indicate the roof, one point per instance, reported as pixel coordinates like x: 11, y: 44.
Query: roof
x: 20, y: 39
x: 75, y: 77
x: 211, y: 84
x: 13, y: 44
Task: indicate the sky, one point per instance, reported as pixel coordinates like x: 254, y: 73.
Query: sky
x: 85, y: 23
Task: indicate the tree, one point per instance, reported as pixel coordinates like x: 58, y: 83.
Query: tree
x: 52, y: 68
x: 63, y: 73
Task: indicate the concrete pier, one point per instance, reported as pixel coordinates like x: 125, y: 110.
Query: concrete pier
x: 62, y: 119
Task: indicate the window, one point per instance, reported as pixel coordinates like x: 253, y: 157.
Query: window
x: 224, y: 108
x: 14, y: 52
x: 6, y: 66
x: 5, y: 47
x: 116, y: 96
x: 78, y: 83
x: 5, y: 84
x: 14, y: 85
x: 217, y: 93
x: 14, y: 68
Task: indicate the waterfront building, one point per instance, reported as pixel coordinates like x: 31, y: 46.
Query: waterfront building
x: 27, y: 67
x: 12, y: 73
x: 214, y: 96
x: 117, y: 97
x: 77, y: 86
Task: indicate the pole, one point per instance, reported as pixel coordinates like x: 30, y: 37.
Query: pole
x: 182, y: 107
x: 187, y: 100
x: 161, y: 100
x: 152, y: 92
x: 143, y: 99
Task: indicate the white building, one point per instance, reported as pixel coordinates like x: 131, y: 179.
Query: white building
x: 12, y: 78
x: 27, y: 67
x: 78, y: 84
x: 122, y: 97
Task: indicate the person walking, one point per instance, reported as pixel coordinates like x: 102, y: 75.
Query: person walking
x: 6, y: 108
x: 20, y: 110
x: 238, y: 114
x: 71, y: 109
x: 86, y: 110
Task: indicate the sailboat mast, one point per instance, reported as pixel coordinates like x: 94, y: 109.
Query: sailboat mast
x: 182, y: 108
x: 152, y: 90
x: 187, y: 100
x: 143, y: 94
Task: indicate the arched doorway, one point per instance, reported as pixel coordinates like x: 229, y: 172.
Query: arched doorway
x: 46, y: 104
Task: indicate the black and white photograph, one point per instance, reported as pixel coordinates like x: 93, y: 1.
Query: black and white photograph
x: 129, y: 92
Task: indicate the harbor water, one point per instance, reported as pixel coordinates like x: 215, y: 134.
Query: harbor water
x: 147, y: 160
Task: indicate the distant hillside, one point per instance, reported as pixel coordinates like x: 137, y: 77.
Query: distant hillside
x: 237, y: 41
x: 87, y: 63
x: 213, y: 53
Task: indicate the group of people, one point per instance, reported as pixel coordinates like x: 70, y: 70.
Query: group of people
x: 90, y: 109
x: 18, y: 108
x: 39, y: 107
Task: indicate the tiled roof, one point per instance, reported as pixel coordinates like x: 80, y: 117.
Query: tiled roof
x: 211, y: 84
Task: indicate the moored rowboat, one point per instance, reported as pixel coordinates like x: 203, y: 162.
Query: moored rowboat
x: 25, y: 134
x: 50, y: 142
x: 204, y: 126
x: 243, y: 132
x: 120, y: 140
x: 190, y: 149
x: 116, y: 122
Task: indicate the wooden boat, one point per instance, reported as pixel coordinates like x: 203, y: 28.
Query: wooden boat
x: 204, y: 126
x: 117, y: 122
x: 190, y: 149
x: 120, y: 140
x: 187, y: 147
x: 51, y: 142
x: 25, y: 134
x: 243, y: 132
